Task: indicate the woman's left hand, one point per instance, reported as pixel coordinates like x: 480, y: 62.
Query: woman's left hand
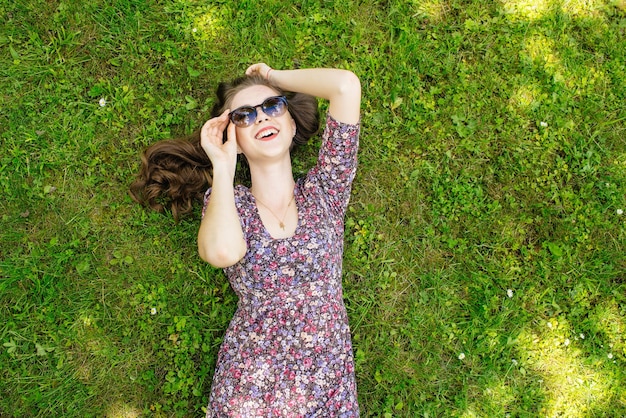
x: 260, y: 68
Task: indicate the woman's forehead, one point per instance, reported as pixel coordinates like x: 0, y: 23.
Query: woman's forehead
x: 252, y: 96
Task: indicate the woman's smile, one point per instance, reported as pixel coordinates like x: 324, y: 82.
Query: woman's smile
x: 267, y: 134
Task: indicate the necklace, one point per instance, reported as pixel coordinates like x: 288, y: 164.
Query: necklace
x: 281, y: 222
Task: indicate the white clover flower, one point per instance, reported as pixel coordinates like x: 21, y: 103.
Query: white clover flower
x: 582, y: 336
x: 610, y: 356
x: 620, y: 212
x: 566, y: 342
x: 549, y: 324
x: 102, y: 102
x: 543, y: 124
x: 194, y: 30
x: 514, y: 362
x: 509, y: 293
x: 462, y: 356
x: 153, y: 311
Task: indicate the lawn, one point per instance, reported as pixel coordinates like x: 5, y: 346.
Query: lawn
x: 485, y: 260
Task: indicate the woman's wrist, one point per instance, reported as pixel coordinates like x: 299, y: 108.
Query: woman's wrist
x: 224, y: 171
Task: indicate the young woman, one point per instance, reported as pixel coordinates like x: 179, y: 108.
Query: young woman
x: 287, y: 350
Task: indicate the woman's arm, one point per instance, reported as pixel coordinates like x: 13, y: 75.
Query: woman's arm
x: 341, y: 88
x: 220, y: 238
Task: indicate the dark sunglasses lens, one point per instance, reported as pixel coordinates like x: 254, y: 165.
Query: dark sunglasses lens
x: 244, y: 116
x: 274, y: 106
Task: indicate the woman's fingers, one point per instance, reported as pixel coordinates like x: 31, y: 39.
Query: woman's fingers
x: 212, y: 136
x: 260, y: 68
x: 212, y: 130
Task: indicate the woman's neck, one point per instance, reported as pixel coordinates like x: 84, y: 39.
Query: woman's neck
x: 273, y: 182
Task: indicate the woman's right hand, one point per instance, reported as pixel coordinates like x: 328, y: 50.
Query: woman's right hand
x: 223, y: 155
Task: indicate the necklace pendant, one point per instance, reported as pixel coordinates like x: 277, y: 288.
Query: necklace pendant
x: 282, y: 226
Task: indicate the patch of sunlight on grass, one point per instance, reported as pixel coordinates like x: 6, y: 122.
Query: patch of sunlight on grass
x: 204, y: 22
x: 526, y: 97
x: 542, y: 50
x: 526, y: 9
x: 122, y: 410
x: 611, y: 324
x: 469, y: 414
x: 537, y: 9
x: 588, y: 80
x: 495, y: 397
x: 208, y: 24
x: 572, y: 387
x: 434, y: 10
x: 584, y: 8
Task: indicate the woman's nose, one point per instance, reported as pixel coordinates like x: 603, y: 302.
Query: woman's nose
x: 261, y: 115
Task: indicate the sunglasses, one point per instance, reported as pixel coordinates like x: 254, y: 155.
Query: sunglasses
x: 246, y: 115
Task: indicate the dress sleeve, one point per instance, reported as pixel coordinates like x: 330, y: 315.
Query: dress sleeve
x: 336, y: 164
x: 207, y: 195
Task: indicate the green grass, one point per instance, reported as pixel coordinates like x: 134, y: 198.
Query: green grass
x: 493, y: 160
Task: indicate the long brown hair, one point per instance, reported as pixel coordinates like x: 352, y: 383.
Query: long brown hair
x: 176, y: 173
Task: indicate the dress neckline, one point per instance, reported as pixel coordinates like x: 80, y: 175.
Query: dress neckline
x: 257, y: 215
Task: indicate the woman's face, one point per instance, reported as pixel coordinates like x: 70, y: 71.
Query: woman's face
x: 267, y: 137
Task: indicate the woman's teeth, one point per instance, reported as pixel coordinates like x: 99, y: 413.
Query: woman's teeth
x: 266, y: 133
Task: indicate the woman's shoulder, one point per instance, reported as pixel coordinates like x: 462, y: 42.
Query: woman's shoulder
x: 242, y: 193
x: 338, y: 130
x: 242, y: 189
x: 244, y: 202
x: 333, y: 123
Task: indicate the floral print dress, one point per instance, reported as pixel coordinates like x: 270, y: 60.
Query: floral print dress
x: 287, y: 351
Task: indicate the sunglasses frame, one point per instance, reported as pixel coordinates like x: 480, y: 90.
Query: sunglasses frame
x: 254, y: 114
